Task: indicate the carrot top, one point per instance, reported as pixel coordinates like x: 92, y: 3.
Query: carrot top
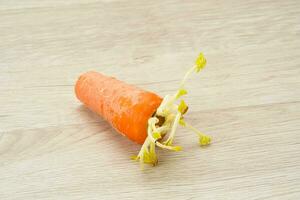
x: 166, y: 119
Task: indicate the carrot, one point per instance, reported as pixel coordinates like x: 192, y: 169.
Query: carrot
x: 126, y: 107
x: 142, y: 116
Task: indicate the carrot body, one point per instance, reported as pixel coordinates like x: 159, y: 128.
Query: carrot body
x: 126, y: 107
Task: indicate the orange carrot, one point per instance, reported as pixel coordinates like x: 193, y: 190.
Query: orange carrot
x: 142, y: 116
x: 126, y: 107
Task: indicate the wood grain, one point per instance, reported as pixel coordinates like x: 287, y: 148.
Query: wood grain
x: 248, y: 98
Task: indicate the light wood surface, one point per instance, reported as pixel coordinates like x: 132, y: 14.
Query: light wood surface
x: 248, y: 98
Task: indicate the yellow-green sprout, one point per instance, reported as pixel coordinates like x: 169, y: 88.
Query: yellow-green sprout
x: 200, y: 62
x: 180, y: 93
x: 156, y: 135
x: 162, y: 133
x: 182, y: 107
x: 203, y: 139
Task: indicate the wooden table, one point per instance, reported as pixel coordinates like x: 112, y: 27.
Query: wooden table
x: 248, y: 98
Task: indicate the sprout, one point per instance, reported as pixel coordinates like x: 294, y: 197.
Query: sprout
x: 180, y: 93
x: 165, y: 121
x: 156, y: 135
x: 170, y: 139
x: 177, y: 148
x: 147, y: 154
x: 204, y: 140
x: 200, y: 62
x: 182, y: 122
x: 182, y: 108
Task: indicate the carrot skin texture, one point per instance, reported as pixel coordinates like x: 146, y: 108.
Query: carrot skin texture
x: 126, y: 107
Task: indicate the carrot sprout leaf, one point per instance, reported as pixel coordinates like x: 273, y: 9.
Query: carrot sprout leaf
x: 182, y: 107
x: 156, y: 135
x: 182, y: 122
x: 204, y: 140
x: 200, y: 62
x: 180, y: 93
